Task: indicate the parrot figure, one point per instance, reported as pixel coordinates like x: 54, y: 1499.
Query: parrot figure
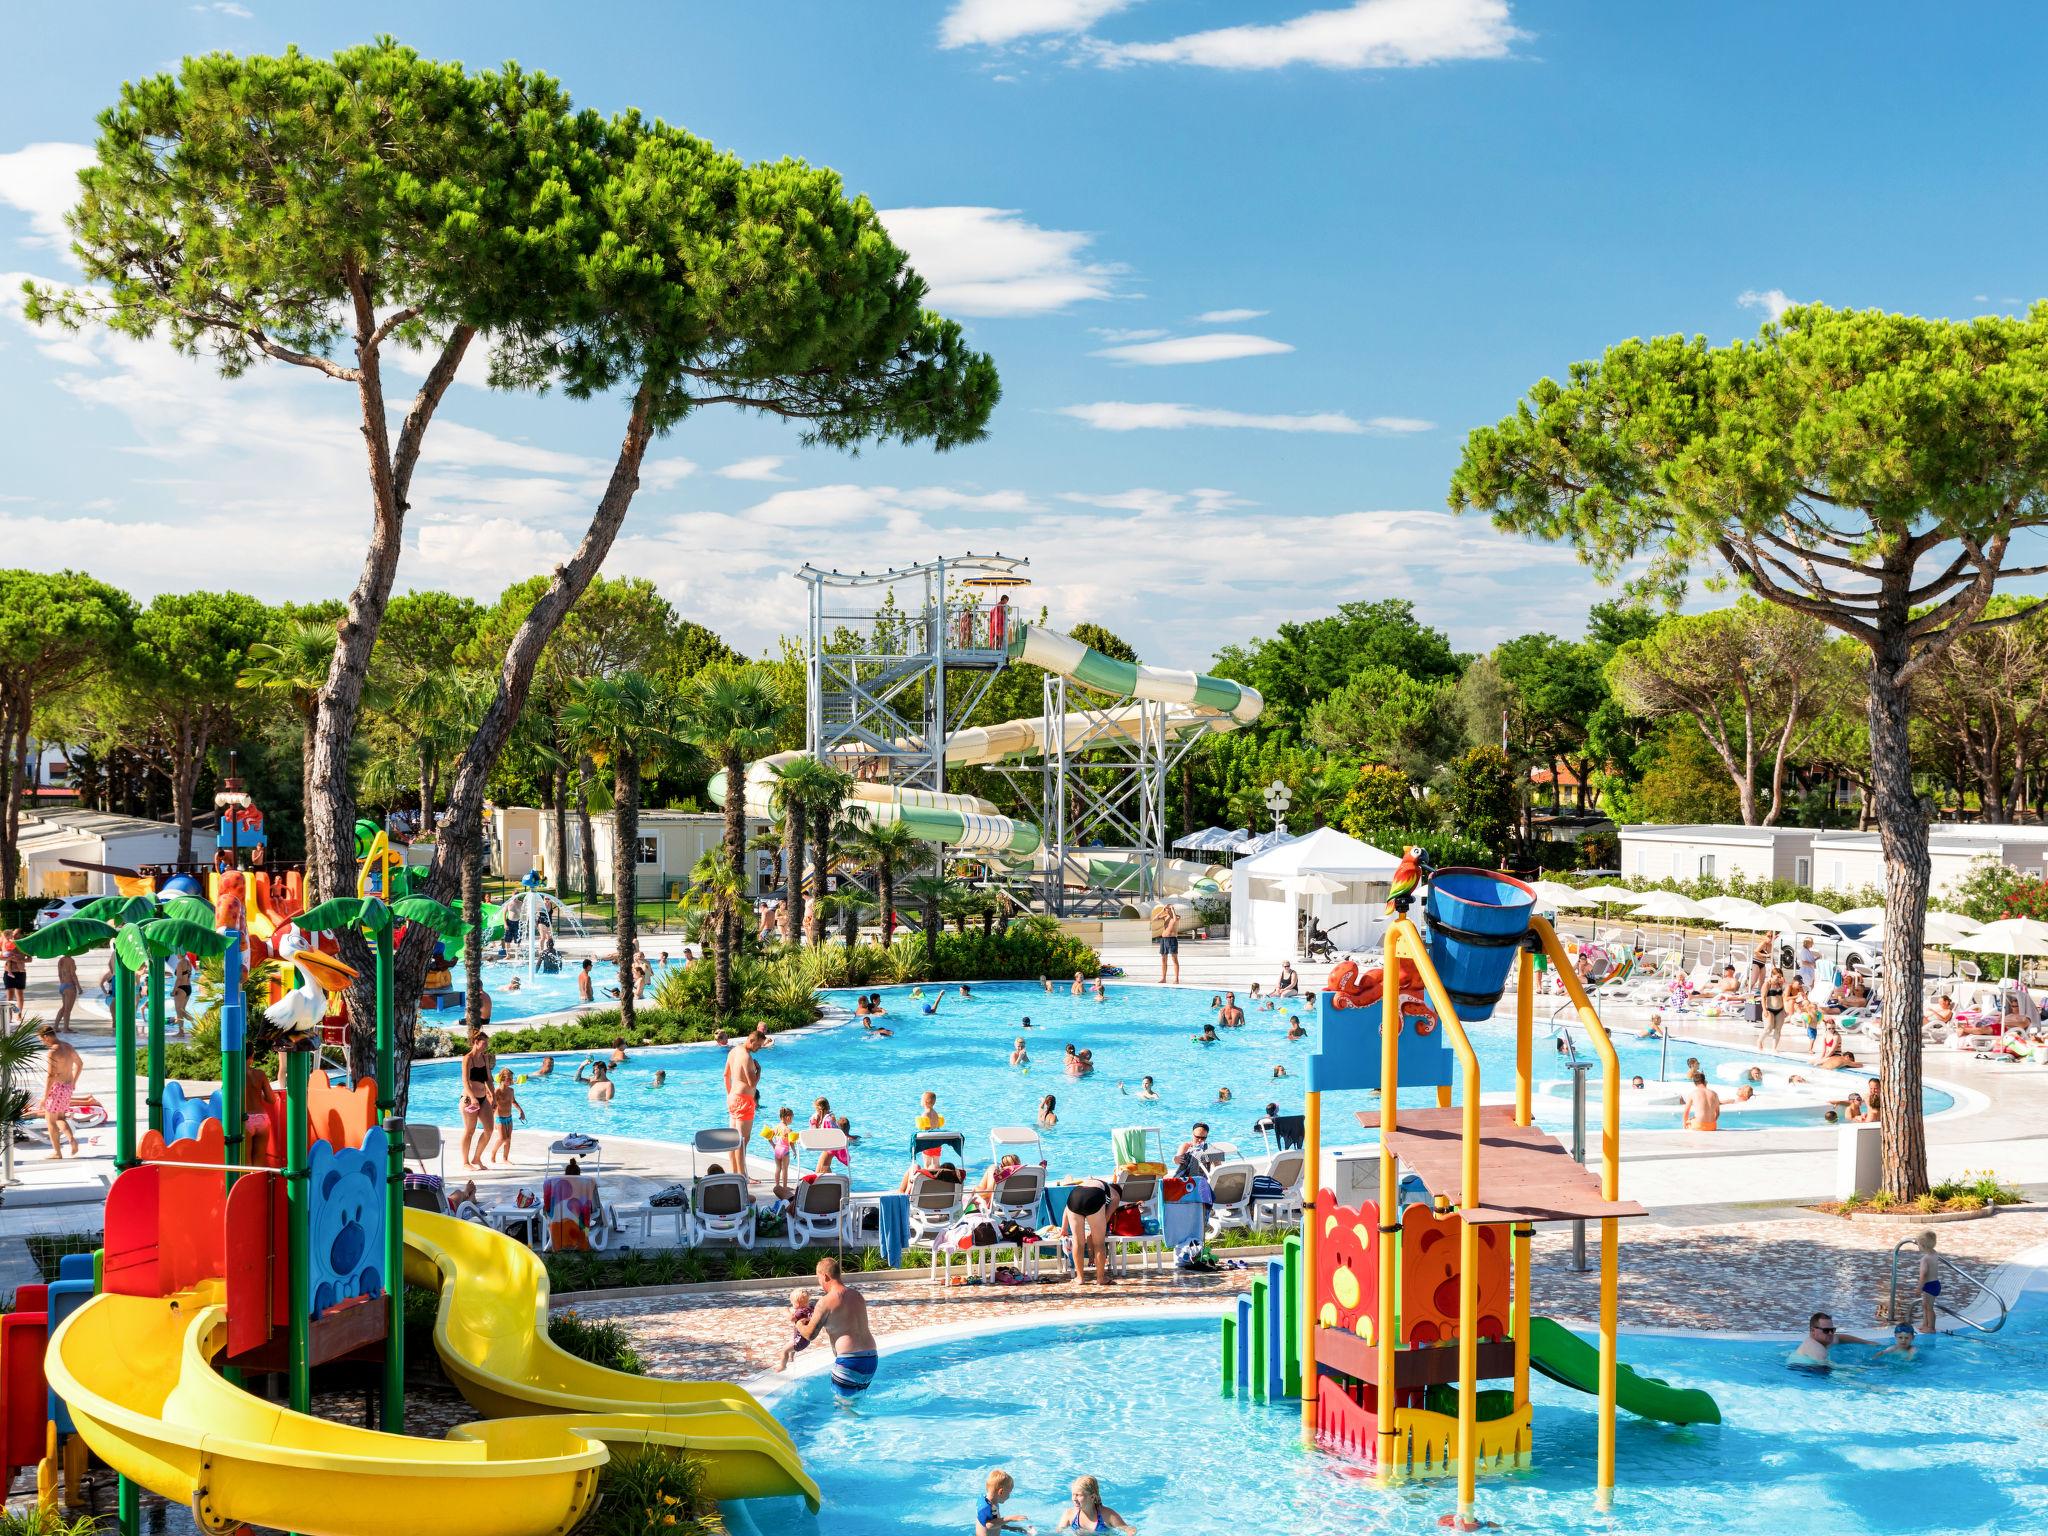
x: 1407, y: 876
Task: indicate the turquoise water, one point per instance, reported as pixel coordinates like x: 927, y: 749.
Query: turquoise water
x: 1949, y: 1443
x: 962, y: 1055
x: 539, y: 993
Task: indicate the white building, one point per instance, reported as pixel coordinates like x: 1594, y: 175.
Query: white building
x: 671, y: 843
x: 50, y: 838
x: 1651, y: 852
x: 1827, y: 861
x: 1327, y: 875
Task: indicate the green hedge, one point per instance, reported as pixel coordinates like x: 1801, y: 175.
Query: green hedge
x: 629, y: 1267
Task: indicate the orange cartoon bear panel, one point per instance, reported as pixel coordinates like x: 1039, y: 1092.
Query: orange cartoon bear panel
x: 1348, y: 1266
x: 1429, y: 1278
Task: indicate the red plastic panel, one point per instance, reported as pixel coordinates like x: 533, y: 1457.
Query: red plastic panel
x: 1429, y: 1278
x: 1348, y: 1265
x: 254, y: 1238
x: 23, y: 1338
x: 340, y: 1116
x: 130, y: 1268
x: 208, y: 1146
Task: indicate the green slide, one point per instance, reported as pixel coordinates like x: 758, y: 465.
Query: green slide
x: 1563, y: 1356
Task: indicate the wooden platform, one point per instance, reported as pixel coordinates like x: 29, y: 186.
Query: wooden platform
x: 1339, y: 1349
x: 1525, y: 1174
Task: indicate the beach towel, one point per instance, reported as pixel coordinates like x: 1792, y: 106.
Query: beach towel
x: 1127, y: 1145
x: 569, y: 1206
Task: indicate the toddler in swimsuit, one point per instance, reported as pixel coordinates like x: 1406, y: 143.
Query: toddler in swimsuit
x: 799, y: 1316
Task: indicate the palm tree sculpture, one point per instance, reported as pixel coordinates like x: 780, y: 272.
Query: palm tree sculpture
x: 716, y: 892
x: 734, y: 719
x: 626, y: 722
x: 294, y: 668
x: 884, y: 847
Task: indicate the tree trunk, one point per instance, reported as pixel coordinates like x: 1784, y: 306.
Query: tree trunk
x: 184, y: 784
x: 625, y: 876
x: 885, y: 883
x: 1902, y: 831
x: 849, y: 927
x: 793, y: 861
x: 426, y: 792
x: 515, y: 678
x: 10, y: 850
x: 736, y: 838
x: 308, y: 827
x: 821, y: 869
x: 558, y: 864
x: 473, y: 939
x: 721, y: 962
x: 588, y: 834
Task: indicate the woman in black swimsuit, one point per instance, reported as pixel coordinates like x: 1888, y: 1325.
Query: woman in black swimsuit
x: 476, y: 1097
x: 1087, y: 1226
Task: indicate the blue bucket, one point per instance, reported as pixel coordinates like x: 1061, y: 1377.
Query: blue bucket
x: 1476, y: 921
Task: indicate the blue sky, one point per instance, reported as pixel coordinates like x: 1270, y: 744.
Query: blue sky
x: 1250, y: 268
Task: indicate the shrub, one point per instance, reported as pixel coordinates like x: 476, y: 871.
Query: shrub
x: 654, y: 1488
x: 48, y: 1249
x: 34, y: 1520
x: 600, y: 1343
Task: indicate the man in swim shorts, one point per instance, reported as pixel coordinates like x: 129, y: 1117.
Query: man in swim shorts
x: 1166, y: 931
x: 743, y: 1090
x: 67, y: 990
x: 842, y: 1315
x: 64, y: 1065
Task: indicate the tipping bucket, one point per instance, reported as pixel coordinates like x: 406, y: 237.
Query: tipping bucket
x: 1476, y: 921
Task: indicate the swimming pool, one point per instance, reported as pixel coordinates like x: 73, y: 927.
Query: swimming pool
x: 1944, y: 1445
x: 535, y: 994
x: 962, y: 1055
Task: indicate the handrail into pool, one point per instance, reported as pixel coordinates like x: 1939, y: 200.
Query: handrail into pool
x: 1951, y: 1267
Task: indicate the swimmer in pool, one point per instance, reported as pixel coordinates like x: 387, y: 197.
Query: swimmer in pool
x: 1019, y: 1057
x: 1208, y: 1036
x: 1902, y: 1344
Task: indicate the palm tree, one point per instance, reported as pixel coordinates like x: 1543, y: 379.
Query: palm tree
x: 716, y: 892
x: 798, y: 783
x: 884, y: 846
x: 623, y: 720
x: 934, y: 891
x: 847, y: 907
x: 734, y: 718
x: 830, y: 790
x: 294, y: 668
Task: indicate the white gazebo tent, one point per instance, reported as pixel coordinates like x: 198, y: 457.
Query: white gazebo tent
x: 1328, y: 874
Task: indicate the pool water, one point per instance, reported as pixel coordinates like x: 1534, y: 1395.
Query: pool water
x: 535, y: 994
x: 1946, y: 1444
x: 962, y: 1054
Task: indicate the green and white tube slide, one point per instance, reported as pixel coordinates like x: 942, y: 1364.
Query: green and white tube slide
x: 1198, y: 702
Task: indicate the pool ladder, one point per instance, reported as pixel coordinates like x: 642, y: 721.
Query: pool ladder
x: 1945, y: 1266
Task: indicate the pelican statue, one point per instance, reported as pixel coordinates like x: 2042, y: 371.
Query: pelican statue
x: 299, y: 1012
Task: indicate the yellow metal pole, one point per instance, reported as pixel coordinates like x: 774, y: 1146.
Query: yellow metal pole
x: 1404, y: 937
x: 1311, y: 1238
x: 1524, y: 1280
x: 1390, y: 1195
x: 1525, y: 1033
x: 1610, y: 1189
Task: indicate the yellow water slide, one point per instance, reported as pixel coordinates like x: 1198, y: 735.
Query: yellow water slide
x: 138, y: 1375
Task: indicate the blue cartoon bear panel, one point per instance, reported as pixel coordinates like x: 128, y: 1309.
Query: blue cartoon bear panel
x: 347, y: 1206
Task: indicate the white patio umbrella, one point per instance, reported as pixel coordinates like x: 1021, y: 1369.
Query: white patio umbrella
x: 1796, y: 912
x: 1671, y: 907
x: 1614, y: 895
x: 1739, y: 912
x: 2019, y: 937
x: 1560, y: 897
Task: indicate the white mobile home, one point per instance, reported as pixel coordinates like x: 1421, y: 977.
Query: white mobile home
x: 1653, y: 852
x: 671, y: 842
x: 51, y: 838
x: 1846, y: 861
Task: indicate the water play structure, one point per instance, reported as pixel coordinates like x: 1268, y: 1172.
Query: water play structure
x: 897, y: 663
x: 1383, y: 1317
x: 245, y: 1242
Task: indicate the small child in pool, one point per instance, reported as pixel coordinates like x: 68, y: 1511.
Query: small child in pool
x: 1901, y: 1345
x: 799, y: 1319
x: 1930, y: 1282
x: 503, y: 1102
x: 989, y: 1519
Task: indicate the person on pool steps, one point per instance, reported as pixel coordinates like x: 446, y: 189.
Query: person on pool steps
x: 842, y: 1315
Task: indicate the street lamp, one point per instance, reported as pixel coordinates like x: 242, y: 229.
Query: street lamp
x: 1278, y: 798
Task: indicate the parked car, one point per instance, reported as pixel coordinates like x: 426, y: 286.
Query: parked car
x: 63, y: 907
x: 1842, y: 947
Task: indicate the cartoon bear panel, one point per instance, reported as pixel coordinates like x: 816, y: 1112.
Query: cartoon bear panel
x: 348, y: 1210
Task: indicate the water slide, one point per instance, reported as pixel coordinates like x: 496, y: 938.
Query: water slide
x: 1196, y: 702
x: 137, y: 1374
x: 1566, y: 1358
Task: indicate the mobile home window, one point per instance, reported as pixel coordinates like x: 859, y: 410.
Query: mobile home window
x: 647, y: 852
x: 1706, y: 866
x: 1802, y: 871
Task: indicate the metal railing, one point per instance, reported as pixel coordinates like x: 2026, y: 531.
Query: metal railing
x: 1947, y: 1267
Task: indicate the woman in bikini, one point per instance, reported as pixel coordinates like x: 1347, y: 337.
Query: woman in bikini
x: 477, y: 1063
x: 181, y: 991
x: 14, y: 973
x: 1087, y: 1226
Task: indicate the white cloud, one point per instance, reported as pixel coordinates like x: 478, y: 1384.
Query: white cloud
x: 666, y: 474
x: 1399, y: 426
x: 1132, y: 416
x: 767, y: 466
x: 1370, y: 34
x: 1229, y: 316
x: 1211, y: 347
x: 992, y: 261
x: 1006, y: 21
x: 1772, y: 301
x: 1112, y: 333
x: 227, y: 8
x: 42, y: 181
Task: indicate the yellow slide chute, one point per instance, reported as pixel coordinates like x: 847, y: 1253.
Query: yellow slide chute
x: 137, y: 1373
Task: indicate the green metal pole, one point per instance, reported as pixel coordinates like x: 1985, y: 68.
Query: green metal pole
x: 394, y: 1192
x: 234, y: 1056
x: 156, y: 1044
x: 127, y: 1504
x: 298, y: 1080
